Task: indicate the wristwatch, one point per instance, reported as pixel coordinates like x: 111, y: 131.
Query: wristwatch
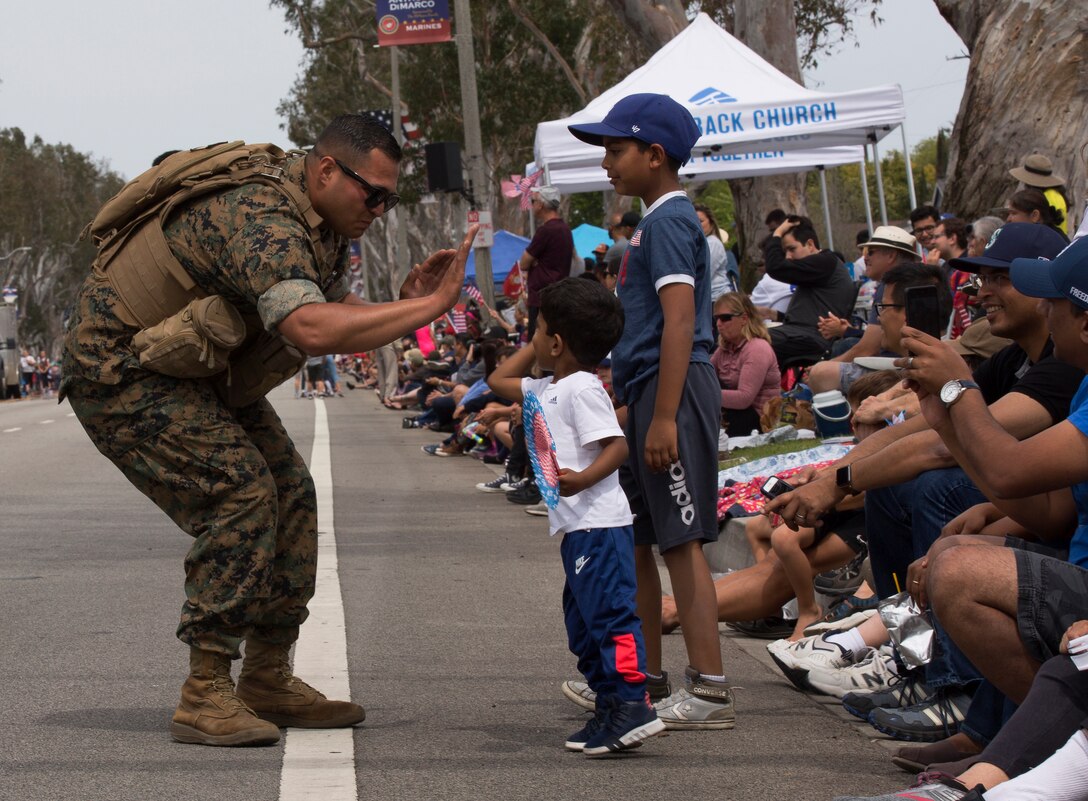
x: 950, y: 392
x: 844, y: 478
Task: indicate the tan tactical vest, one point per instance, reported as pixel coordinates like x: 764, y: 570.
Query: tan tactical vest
x: 154, y: 287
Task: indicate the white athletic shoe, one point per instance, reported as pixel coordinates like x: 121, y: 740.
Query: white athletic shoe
x: 796, y: 659
x: 874, y: 673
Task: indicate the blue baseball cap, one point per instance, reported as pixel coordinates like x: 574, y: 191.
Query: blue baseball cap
x: 1066, y: 276
x: 1013, y: 241
x: 650, y: 118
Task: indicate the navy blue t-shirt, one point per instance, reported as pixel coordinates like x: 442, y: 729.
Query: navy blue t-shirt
x: 668, y: 242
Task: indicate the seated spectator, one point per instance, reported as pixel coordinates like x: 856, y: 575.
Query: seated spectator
x: 914, y: 486
x: 724, y: 273
x: 1037, y: 172
x: 982, y: 231
x: 1032, y: 206
x: 888, y: 247
x: 747, y: 369
x: 950, y: 242
x: 793, y: 255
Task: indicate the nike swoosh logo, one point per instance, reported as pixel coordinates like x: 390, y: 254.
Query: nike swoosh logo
x: 579, y: 563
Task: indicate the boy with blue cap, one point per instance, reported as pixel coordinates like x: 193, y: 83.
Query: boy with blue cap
x: 661, y: 371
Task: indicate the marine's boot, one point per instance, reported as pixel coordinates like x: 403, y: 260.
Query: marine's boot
x: 210, y: 713
x: 267, y: 685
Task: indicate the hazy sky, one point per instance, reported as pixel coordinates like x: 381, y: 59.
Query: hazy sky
x: 127, y: 79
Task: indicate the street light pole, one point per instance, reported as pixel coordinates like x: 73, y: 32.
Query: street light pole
x: 474, y: 149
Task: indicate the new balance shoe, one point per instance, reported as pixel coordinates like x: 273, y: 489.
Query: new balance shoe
x: 580, y: 692
x: 903, y: 691
x: 496, y: 484
x: 625, y: 725
x: 699, y: 704
x: 936, y: 718
x: 874, y: 672
x: 797, y: 659
x: 930, y: 787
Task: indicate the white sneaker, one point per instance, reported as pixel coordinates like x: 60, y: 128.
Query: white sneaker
x: 495, y: 485
x: 537, y: 509
x: 579, y: 693
x: 796, y: 659
x: 684, y: 711
x: 874, y: 673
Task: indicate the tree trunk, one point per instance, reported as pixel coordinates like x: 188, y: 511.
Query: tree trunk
x: 1027, y: 91
x: 768, y: 27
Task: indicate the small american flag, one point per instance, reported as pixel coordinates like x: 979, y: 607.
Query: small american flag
x: 636, y: 240
x: 473, y: 292
x: 384, y: 117
x: 458, y: 321
x: 525, y: 185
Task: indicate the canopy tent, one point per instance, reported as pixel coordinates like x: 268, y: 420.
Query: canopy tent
x: 759, y: 109
x: 505, y: 253
x: 587, y: 237
x: 742, y: 105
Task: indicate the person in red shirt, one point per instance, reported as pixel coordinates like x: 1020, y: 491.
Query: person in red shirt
x: 548, y: 257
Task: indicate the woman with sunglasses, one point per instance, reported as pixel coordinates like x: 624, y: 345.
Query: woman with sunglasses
x: 747, y: 368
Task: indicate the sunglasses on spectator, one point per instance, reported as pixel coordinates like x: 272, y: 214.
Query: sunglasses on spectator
x: 724, y: 318
x: 375, y: 196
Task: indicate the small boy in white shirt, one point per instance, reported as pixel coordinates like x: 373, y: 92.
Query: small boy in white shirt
x: 578, y: 323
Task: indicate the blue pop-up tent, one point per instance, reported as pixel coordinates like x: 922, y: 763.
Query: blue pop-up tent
x: 505, y: 253
x: 587, y: 237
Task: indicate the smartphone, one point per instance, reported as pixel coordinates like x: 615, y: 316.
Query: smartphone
x: 923, y: 310
x: 773, y: 487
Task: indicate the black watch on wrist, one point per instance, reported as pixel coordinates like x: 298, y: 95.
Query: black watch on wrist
x: 844, y: 478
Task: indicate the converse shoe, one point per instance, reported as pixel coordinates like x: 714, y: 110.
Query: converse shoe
x: 513, y: 483
x: 526, y: 495
x: 796, y: 659
x: 624, y: 725
x: 700, y: 704
x: 874, y: 672
x: 580, y: 692
x: 936, y: 718
x: 903, y: 691
x: 496, y: 484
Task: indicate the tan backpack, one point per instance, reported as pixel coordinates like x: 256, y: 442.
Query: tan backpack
x: 154, y: 287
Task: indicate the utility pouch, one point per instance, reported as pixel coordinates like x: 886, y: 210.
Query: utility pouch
x: 196, y: 342
x: 257, y: 367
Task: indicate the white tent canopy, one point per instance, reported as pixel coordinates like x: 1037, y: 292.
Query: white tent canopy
x: 741, y: 103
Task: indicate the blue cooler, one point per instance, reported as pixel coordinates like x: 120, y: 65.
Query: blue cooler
x: 832, y: 414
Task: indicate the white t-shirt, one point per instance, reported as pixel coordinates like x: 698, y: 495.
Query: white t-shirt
x: 772, y: 294
x: 579, y: 415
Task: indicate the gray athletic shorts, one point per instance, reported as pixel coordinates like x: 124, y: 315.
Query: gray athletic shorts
x: 1052, y: 596
x: 681, y: 504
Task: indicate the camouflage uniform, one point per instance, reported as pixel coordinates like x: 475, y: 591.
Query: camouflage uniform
x: 230, y: 478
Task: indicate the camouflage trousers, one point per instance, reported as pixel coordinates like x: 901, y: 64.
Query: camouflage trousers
x: 233, y: 481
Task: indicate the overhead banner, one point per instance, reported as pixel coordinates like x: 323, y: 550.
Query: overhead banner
x: 411, y: 22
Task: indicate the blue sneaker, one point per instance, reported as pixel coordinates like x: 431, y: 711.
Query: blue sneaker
x: 578, y: 740
x: 625, y: 724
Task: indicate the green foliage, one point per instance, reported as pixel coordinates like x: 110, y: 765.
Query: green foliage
x: 845, y: 198
x: 48, y: 193
x: 717, y: 195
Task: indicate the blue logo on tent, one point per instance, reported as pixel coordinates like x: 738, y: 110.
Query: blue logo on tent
x: 711, y: 97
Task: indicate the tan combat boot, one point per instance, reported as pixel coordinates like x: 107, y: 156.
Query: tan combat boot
x: 210, y: 713
x: 267, y: 685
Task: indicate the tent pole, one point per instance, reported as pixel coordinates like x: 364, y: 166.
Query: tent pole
x: 910, y: 170
x: 865, y: 190
x: 827, y: 211
x: 880, y: 187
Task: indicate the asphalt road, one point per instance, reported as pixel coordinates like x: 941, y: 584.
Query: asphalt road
x: 455, y: 643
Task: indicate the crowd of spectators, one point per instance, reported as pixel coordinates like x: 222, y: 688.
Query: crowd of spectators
x: 964, y: 489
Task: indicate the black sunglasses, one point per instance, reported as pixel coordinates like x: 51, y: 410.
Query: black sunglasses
x: 724, y: 318
x: 880, y: 307
x: 375, y: 196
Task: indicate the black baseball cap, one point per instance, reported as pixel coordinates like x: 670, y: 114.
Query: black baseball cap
x: 1014, y: 241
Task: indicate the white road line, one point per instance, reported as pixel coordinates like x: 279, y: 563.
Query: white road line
x: 46, y: 422
x: 12, y: 430
x: 70, y: 414
x: 319, y: 764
